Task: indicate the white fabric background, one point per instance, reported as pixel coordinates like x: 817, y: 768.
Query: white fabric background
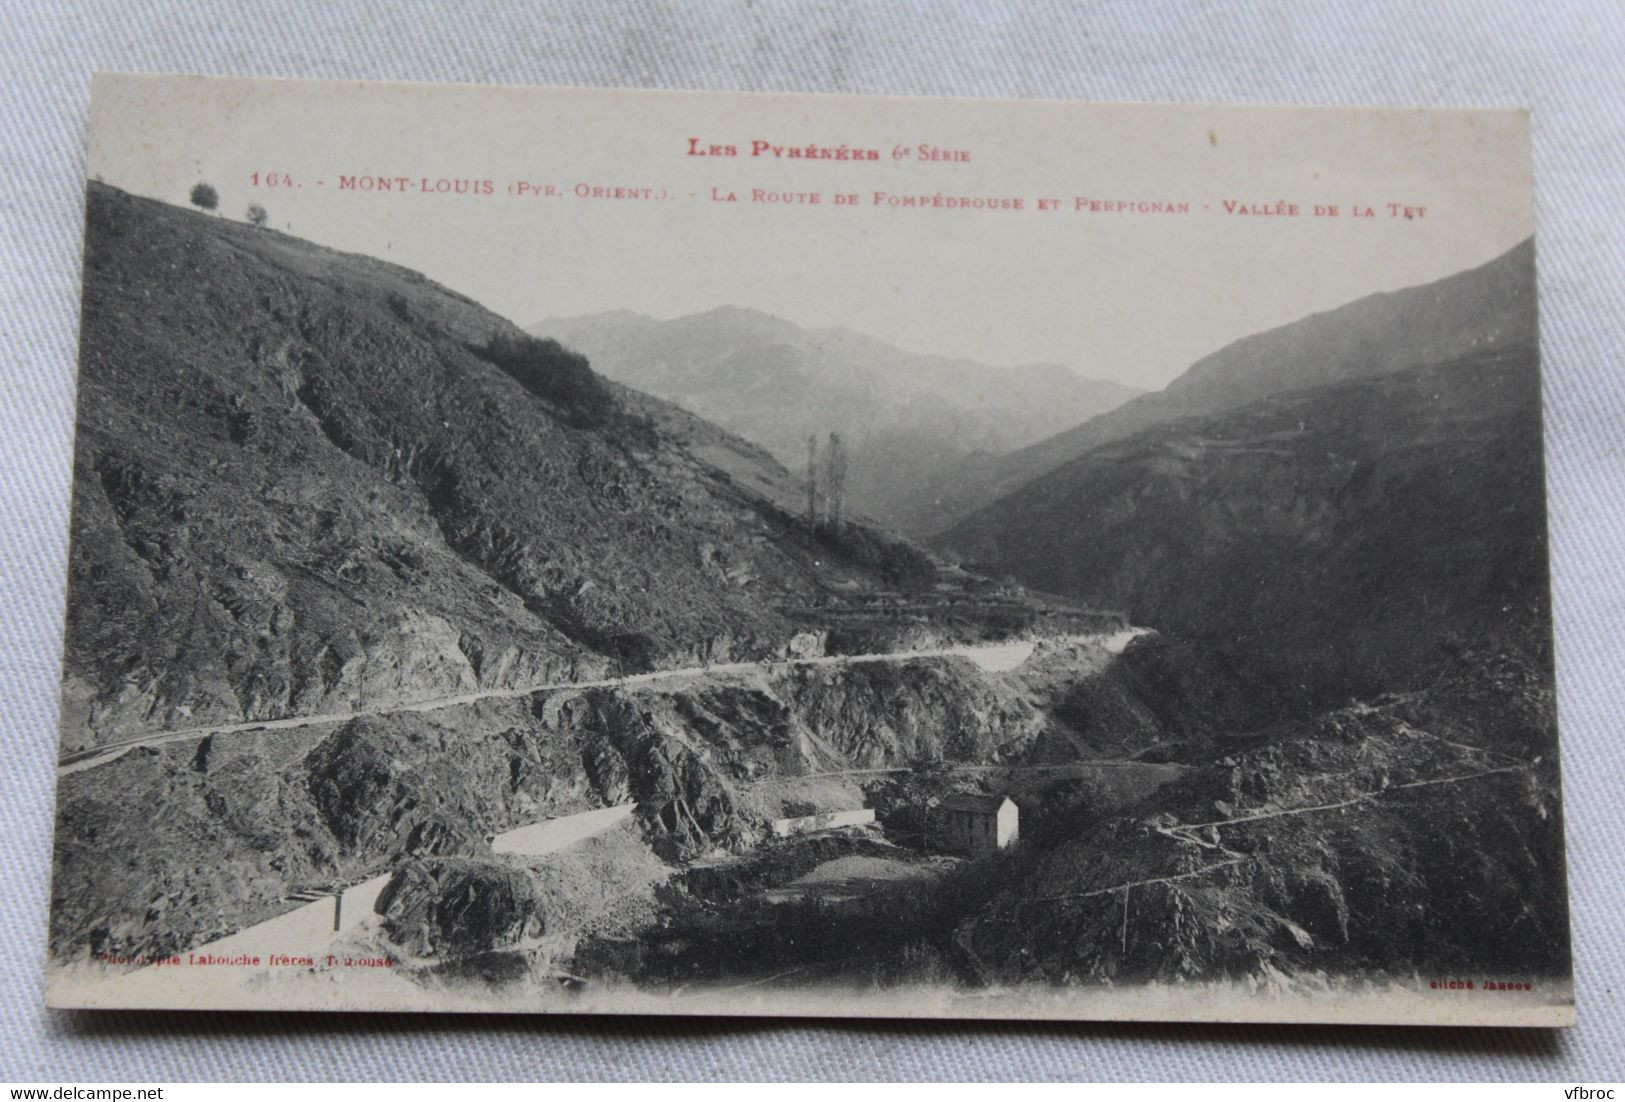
x: 1563, y: 60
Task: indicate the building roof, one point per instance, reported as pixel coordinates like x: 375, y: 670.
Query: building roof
x: 970, y: 801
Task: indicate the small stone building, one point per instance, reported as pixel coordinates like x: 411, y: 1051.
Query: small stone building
x: 978, y: 824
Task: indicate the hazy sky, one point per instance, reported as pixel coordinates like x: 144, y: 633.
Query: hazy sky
x: 1126, y: 296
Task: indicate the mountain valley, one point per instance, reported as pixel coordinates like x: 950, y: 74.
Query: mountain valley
x: 366, y: 583
x: 902, y: 416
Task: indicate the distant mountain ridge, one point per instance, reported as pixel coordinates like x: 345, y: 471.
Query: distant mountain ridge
x: 1490, y: 307
x: 902, y: 415
x: 1337, y: 541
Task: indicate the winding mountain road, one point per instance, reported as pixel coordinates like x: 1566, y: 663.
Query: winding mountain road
x: 993, y: 657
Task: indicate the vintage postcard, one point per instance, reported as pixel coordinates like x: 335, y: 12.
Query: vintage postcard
x: 610, y: 551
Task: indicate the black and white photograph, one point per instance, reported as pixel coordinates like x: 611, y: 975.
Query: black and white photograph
x: 637, y: 552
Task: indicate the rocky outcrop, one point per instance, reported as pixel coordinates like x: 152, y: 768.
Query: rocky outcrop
x: 522, y: 914
x: 683, y: 753
x: 457, y: 907
x: 870, y: 714
x: 373, y: 802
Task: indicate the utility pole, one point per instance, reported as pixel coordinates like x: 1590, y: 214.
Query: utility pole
x: 812, y: 480
x: 836, y: 481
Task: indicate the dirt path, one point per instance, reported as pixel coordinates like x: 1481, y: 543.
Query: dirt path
x: 994, y: 657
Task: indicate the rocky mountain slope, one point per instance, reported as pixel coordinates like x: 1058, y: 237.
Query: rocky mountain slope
x: 311, y: 482
x: 903, y: 416
x: 1373, y: 846
x: 1336, y: 540
x: 1482, y: 310
x: 167, y: 847
x: 1412, y: 835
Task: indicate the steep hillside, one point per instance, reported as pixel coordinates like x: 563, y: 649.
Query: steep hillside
x: 215, y: 834
x: 1414, y: 835
x: 1488, y: 308
x: 902, y: 415
x: 1336, y: 541
x: 311, y: 482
